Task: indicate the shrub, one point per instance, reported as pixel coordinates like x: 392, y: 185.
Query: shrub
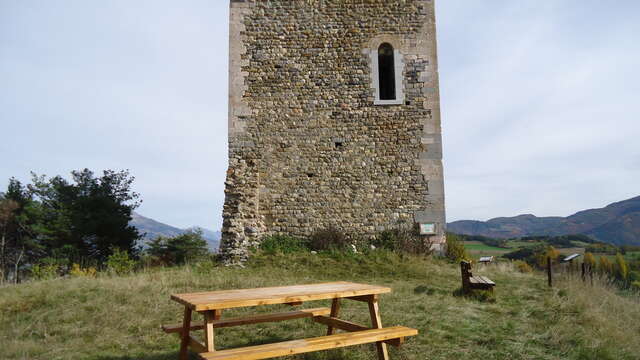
x: 605, y: 266
x: 523, y: 267
x: 206, y: 265
x: 77, y: 271
x: 45, y: 271
x: 120, y: 263
x: 621, y: 268
x: 589, y: 260
x: 550, y: 252
x: 283, y: 244
x: 403, y: 238
x: 329, y: 239
x: 455, y: 248
x: 385, y: 240
x: 178, y: 250
x: 48, y: 268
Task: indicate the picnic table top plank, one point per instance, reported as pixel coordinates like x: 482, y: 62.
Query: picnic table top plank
x: 225, y: 299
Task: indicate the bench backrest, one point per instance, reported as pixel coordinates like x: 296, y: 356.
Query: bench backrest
x: 465, y: 270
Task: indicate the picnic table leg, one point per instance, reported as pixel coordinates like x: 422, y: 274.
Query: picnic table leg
x: 186, y: 327
x: 376, y: 323
x: 209, y: 317
x: 335, y: 309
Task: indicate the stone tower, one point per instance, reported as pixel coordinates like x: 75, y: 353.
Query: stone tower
x: 334, y: 120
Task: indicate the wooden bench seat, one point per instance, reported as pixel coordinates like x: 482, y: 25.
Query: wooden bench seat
x: 476, y: 279
x: 313, y: 344
x: 471, y: 282
x: 256, y: 319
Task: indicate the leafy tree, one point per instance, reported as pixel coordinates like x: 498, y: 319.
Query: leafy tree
x: 455, y: 248
x: 180, y: 249
x: 7, y: 209
x: 621, y: 268
x: 550, y: 252
x: 18, y: 244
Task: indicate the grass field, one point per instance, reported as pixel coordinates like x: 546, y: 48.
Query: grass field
x: 118, y: 318
x: 520, y: 244
x: 477, y: 249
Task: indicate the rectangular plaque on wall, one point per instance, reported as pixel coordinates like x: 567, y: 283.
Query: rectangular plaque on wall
x: 427, y: 228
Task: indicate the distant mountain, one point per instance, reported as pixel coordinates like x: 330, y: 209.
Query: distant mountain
x: 617, y: 223
x: 152, y: 229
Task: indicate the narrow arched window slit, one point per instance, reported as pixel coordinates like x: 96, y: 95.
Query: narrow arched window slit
x: 386, y: 72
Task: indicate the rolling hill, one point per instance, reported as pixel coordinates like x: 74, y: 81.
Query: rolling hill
x: 617, y: 223
x: 152, y: 229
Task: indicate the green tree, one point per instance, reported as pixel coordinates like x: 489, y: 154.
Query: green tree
x: 7, y: 215
x: 180, y: 249
x: 621, y: 268
x: 18, y: 243
x: 88, y: 217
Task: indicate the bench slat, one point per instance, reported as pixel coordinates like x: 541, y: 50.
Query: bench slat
x: 256, y: 319
x: 308, y: 345
x: 480, y: 280
x: 487, y: 281
x: 349, y: 326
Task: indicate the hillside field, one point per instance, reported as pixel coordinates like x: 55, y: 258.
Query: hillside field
x: 476, y: 249
x: 118, y: 318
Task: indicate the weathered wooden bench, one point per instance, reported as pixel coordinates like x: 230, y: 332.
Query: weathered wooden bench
x: 474, y: 282
x: 211, y: 304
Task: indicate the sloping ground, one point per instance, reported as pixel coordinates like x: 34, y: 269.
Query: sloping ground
x: 117, y: 318
x: 617, y: 223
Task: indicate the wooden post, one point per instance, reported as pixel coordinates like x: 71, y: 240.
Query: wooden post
x: 209, y: 318
x: 549, y: 271
x: 186, y: 326
x: 376, y: 323
x: 583, y: 272
x: 335, y: 309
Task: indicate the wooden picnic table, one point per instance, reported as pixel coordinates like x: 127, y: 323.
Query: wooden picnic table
x: 211, y: 304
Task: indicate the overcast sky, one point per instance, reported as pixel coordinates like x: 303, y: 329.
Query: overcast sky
x: 539, y: 101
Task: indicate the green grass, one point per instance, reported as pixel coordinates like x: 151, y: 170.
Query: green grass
x: 477, y: 248
x: 118, y: 318
x: 514, y: 244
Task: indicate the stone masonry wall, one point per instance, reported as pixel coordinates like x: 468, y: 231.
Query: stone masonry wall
x: 308, y: 148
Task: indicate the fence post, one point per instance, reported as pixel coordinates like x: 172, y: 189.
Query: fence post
x: 549, y: 271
